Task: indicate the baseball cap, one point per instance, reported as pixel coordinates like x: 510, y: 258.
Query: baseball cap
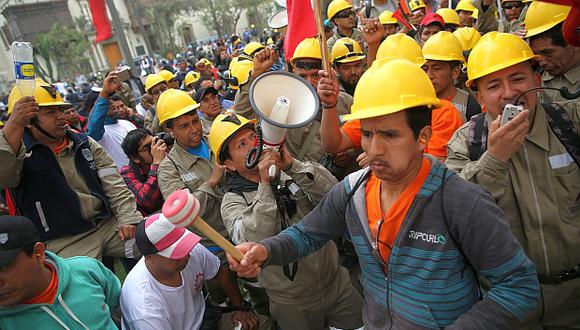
x: 16, y: 233
x: 200, y: 94
x: 157, y: 235
x: 433, y: 18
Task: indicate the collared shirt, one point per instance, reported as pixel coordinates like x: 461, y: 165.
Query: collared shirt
x: 144, y: 186
x: 570, y: 80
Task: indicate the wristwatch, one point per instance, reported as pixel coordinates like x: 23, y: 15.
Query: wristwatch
x: 245, y: 306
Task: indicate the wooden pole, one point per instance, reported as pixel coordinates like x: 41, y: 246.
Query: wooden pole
x: 321, y: 35
x: 218, y: 239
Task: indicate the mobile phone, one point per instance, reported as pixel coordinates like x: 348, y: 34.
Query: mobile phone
x: 124, y: 74
x: 509, y: 112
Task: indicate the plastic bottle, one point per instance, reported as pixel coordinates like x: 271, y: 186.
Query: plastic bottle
x: 24, y: 67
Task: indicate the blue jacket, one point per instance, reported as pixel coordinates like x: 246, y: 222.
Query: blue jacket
x: 88, y: 293
x: 451, y: 232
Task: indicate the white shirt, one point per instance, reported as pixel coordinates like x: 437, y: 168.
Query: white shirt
x: 148, y: 304
x: 112, y: 139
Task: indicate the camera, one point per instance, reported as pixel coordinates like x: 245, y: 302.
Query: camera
x: 166, y: 138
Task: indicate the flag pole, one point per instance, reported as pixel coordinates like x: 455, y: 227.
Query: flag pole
x: 321, y: 34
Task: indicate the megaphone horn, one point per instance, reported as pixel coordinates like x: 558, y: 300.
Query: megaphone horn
x: 282, y: 101
x: 279, y: 19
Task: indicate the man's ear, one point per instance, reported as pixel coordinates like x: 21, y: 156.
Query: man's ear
x: 39, y: 251
x: 424, y: 137
x: 229, y: 164
x: 455, y: 72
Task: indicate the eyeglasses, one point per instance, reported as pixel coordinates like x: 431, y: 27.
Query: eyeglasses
x: 345, y: 14
x: 512, y: 5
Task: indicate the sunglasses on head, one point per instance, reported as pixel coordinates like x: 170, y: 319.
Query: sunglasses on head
x: 512, y: 5
x: 345, y: 14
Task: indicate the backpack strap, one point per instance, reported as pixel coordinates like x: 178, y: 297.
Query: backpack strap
x: 564, y: 129
x: 477, y: 136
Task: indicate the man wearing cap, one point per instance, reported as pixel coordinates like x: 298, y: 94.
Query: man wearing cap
x: 349, y: 62
x: 39, y: 289
x: 341, y: 13
x: 431, y: 24
x: 423, y: 235
x: 528, y: 170
x: 65, y: 182
x: 256, y: 206
x: 444, y: 59
x: 164, y: 289
x: 209, y: 106
x: 104, y: 126
x: 154, y: 85
x: 560, y: 61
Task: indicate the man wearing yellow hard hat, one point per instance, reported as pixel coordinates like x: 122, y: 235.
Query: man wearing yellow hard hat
x: 154, y: 86
x: 414, y: 223
x: 389, y: 23
x: 255, y: 208
x: 443, y: 62
x: 512, y: 21
x: 450, y: 17
x: 349, y: 62
x: 341, y: 14
x: 170, y: 78
x: 527, y: 164
x: 191, y: 78
x: 465, y: 11
x: 64, y: 181
x: 560, y: 61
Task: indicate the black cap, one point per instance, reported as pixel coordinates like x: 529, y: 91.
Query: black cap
x: 16, y: 233
x: 202, y: 92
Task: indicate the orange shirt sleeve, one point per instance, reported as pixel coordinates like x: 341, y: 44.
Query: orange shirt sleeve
x: 445, y: 120
x: 352, y: 129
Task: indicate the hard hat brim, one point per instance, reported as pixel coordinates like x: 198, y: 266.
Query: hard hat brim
x: 434, y: 57
x: 181, y: 112
x: 229, y: 138
x: 388, y: 110
x: 499, y: 67
x: 533, y: 32
x: 350, y: 59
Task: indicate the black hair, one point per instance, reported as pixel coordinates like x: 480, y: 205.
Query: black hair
x: 417, y: 118
x: 554, y: 34
x: 28, y: 249
x: 130, y: 143
x: 115, y: 97
x: 454, y: 64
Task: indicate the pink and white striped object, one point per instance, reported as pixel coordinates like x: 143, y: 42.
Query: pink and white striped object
x: 172, y: 242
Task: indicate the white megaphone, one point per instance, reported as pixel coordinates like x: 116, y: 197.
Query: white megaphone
x: 279, y: 19
x: 282, y: 101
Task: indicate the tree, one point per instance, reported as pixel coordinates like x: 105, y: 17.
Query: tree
x: 64, y: 46
x: 222, y: 16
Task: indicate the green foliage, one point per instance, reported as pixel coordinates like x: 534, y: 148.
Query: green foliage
x: 222, y: 16
x: 65, y: 46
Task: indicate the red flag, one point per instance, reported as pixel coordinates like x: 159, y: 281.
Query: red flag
x: 398, y: 14
x: 301, y: 25
x: 100, y: 20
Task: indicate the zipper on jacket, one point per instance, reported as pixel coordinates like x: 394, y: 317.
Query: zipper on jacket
x: 41, y: 216
x: 537, y: 205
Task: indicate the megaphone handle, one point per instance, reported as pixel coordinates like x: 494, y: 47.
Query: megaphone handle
x: 218, y: 239
x: 272, y: 171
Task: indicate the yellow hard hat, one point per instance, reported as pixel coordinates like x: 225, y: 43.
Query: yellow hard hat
x: 542, y: 16
x: 502, y: 1
x: 240, y: 73
x: 346, y: 50
x: 191, y: 77
x: 443, y: 46
x: 416, y: 4
x: 464, y: 5
x: 166, y: 75
x: 399, y: 46
x: 409, y: 87
x: 222, y: 129
x: 386, y: 17
x: 496, y: 51
x: 45, y: 95
x: 475, y: 14
x: 251, y: 48
x: 307, y: 48
x: 270, y: 42
x: 153, y: 80
x: 337, y: 6
x: 449, y: 16
x: 467, y: 36
x: 173, y: 103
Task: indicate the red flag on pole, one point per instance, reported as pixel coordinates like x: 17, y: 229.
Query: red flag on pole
x: 301, y: 25
x: 101, y: 22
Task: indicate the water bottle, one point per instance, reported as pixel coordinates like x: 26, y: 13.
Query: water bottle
x: 23, y: 67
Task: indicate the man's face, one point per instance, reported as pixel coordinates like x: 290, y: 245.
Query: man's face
x: 554, y: 59
x: 390, y: 29
x: 345, y: 19
x: 187, y: 130
x: 465, y: 18
x: 156, y: 91
x: 429, y: 30
x: 210, y: 105
x: 174, y: 83
x: 351, y: 72
x: 166, y: 265
x: 53, y: 120
x: 239, y: 146
x: 310, y: 75
x: 182, y: 65
x: 497, y: 89
x: 19, y: 280
x: 441, y: 74
x: 117, y: 109
x: 144, y: 152
x: 417, y: 16
x: 390, y: 145
x: 512, y: 10
x: 71, y: 115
